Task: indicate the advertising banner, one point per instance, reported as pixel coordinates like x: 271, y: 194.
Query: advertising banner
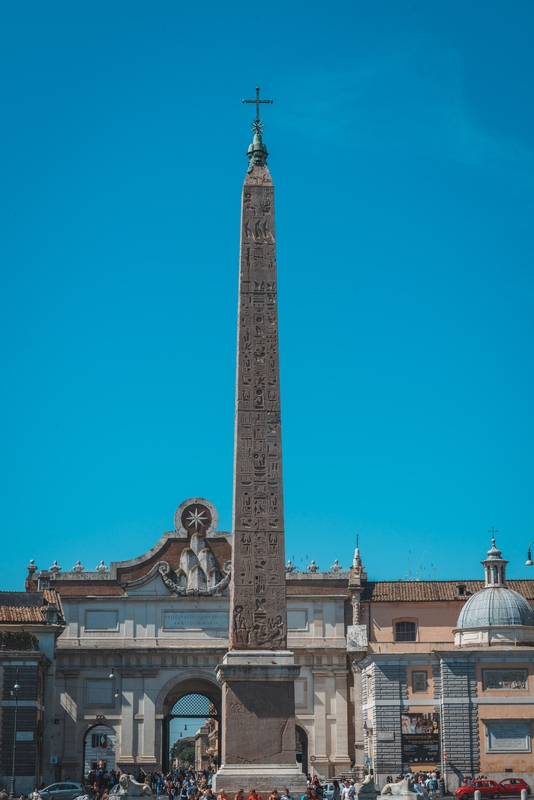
x: 420, y: 738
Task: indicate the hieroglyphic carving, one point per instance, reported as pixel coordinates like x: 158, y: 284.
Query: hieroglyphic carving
x: 258, y: 588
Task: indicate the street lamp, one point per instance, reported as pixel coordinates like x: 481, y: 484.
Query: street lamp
x: 529, y: 562
x: 16, y: 694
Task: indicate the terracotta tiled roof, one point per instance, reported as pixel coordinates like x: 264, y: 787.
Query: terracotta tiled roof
x: 17, y: 607
x: 18, y: 614
x: 427, y: 591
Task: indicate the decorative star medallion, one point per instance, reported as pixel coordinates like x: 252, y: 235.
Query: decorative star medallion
x: 196, y: 518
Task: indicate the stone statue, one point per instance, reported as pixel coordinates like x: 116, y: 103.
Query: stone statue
x: 404, y: 787
x: 132, y: 788
x: 367, y: 789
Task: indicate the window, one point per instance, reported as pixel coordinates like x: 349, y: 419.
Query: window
x: 405, y: 631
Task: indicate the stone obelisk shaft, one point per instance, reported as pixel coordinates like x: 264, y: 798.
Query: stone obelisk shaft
x: 258, y: 673
x: 258, y: 602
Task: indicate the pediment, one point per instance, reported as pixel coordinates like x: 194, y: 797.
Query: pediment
x: 195, y: 541
x: 195, y: 565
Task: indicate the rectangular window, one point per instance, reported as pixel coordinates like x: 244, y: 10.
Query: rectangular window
x: 405, y: 631
x: 508, y: 736
x: 420, y: 681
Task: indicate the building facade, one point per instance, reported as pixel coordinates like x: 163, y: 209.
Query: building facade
x: 446, y: 673
x: 29, y: 627
x: 146, y: 633
x: 393, y: 674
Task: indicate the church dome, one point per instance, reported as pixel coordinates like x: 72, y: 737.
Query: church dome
x: 496, y: 607
x: 496, y: 615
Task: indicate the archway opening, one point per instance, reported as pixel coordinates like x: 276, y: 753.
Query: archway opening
x: 191, y: 733
x: 302, y: 748
x: 99, y: 752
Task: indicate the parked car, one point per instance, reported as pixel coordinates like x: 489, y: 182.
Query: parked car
x: 61, y: 791
x: 328, y: 791
x: 486, y: 788
x: 513, y: 786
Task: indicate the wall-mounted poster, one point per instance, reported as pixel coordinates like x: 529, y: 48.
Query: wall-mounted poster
x: 420, y: 738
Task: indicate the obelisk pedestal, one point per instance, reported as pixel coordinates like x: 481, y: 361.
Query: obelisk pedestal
x: 259, y: 722
x: 258, y: 673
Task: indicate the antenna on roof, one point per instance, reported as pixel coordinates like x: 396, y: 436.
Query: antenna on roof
x: 408, y: 576
x: 420, y: 569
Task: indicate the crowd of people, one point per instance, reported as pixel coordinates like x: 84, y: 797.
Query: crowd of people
x: 428, y: 784
x: 189, y: 784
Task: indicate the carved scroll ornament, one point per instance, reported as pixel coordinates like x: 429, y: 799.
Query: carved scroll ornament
x: 185, y: 589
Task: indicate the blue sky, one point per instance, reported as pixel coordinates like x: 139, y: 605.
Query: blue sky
x: 402, y: 152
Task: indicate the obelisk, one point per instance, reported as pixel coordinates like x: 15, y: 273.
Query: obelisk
x: 258, y: 672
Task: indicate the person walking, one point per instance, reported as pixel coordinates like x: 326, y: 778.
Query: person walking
x: 347, y: 793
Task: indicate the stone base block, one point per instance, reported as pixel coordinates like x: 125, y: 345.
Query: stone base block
x: 262, y: 777
x: 258, y: 732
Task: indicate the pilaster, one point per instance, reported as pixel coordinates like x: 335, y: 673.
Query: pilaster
x: 148, y: 742
x: 73, y: 687
x: 342, y: 758
x: 126, y: 755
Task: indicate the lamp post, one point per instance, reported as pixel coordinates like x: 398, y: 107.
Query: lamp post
x: 529, y: 561
x: 15, y: 692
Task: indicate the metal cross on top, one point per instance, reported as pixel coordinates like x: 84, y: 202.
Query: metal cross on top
x: 257, y: 121
x: 493, y: 531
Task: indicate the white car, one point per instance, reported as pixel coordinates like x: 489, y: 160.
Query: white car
x: 328, y: 791
x: 61, y: 791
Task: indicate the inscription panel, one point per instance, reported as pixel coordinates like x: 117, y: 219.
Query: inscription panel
x: 258, y: 604
x: 195, y: 620
x: 508, y: 736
